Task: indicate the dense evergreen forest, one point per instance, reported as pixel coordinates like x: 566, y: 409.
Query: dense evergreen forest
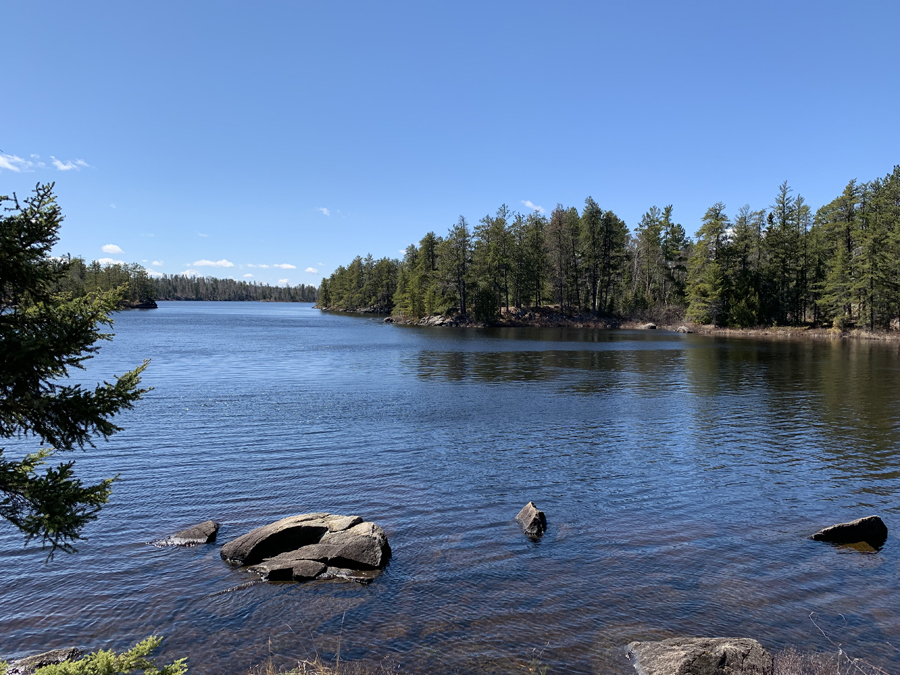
x: 781, y: 265
x: 84, y: 278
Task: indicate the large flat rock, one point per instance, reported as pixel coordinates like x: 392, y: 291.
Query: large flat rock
x: 306, y: 546
x: 29, y: 664
x: 700, y: 656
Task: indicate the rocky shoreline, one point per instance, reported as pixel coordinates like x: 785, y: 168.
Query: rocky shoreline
x: 550, y: 317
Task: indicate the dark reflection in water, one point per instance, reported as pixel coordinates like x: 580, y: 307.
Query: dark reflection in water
x: 680, y: 474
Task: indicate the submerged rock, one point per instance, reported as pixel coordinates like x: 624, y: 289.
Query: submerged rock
x: 870, y: 529
x: 532, y: 520
x: 202, y: 533
x: 311, y: 546
x: 700, y: 656
x: 29, y: 664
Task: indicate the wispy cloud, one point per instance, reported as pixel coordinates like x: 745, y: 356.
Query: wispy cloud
x: 112, y: 206
x: 110, y: 261
x: 111, y: 248
x: 264, y: 267
x: 285, y: 266
x: 248, y: 276
x: 324, y: 211
x: 190, y: 273
x: 532, y: 206
x: 282, y: 282
x: 201, y: 234
x: 157, y: 263
x: 18, y: 164
x: 212, y: 263
x: 68, y: 165
x: 153, y: 273
x: 312, y: 270
x: 321, y: 264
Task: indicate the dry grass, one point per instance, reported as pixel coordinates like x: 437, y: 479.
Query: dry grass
x: 794, y: 662
x: 317, y: 666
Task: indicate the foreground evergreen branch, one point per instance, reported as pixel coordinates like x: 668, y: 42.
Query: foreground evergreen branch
x: 44, y: 334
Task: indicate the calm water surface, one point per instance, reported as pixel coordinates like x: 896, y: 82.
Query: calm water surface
x: 680, y: 474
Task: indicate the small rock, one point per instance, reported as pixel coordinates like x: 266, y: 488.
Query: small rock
x: 202, y: 533
x: 870, y: 529
x: 359, y: 576
x: 532, y: 520
x: 700, y: 656
x: 29, y: 664
x: 647, y: 326
x: 388, y: 320
x: 683, y: 329
x: 306, y: 570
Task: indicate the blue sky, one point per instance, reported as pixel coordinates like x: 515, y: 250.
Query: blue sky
x: 301, y: 134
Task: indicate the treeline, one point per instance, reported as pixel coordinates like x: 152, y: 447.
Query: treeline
x: 179, y: 287
x: 139, y: 288
x: 778, y: 265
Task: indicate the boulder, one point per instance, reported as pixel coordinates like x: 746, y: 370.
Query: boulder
x: 29, y: 664
x: 532, y: 520
x: 300, y: 547
x: 700, y: 656
x: 202, y: 533
x: 683, y: 329
x: 268, y: 541
x: 647, y: 326
x: 870, y: 529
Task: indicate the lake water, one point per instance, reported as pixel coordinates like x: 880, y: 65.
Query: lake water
x: 681, y: 476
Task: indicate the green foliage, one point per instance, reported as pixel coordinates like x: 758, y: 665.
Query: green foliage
x: 107, y: 662
x: 43, y: 334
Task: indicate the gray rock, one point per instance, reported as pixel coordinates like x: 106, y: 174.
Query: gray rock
x: 29, y: 664
x: 683, y: 329
x: 532, y: 520
x: 268, y: 541
x: 647, y: 326
x: 288, y: 548
x: 870, y: 529
x: 306, y: 570
x: 362, y: 546
x: 202, y: 533
x: 700, y: 656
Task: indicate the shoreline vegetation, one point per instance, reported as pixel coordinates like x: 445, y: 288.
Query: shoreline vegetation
x: 777, y: 271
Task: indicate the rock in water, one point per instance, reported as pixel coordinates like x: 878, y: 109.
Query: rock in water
x: 648, y: 326
x: 311, y: 546
x: 870, y: 529
x: 202, y: 533
x: 532, y: 520
x: 700, y: 656
x: 29, y: 664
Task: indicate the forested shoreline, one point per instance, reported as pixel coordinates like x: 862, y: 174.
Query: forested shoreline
x: 783, y: 265
x: 142, y: 290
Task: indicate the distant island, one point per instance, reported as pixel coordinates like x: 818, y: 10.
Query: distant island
x: 142, y: 291
x: 780, y: 266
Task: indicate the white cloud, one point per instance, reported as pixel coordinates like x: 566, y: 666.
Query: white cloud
x: 401, y: 250
x: 190, y: 273
x: 324, y: 210
x: 282, y: 282
x: 212, y: 263
x: 17, y: 164
x: 112, y: 206
x: 110, y: 261
x: 265, y: 267
x: 200, y: 234
x: 248, y: 276
x: 321, y: 264
x: 157, y: 263
x: 153, y: 273
x: 285, y: 266
x: 533, y: 207
x: 312, y: 270
x: 78, y: 164
x: 111, y: 248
